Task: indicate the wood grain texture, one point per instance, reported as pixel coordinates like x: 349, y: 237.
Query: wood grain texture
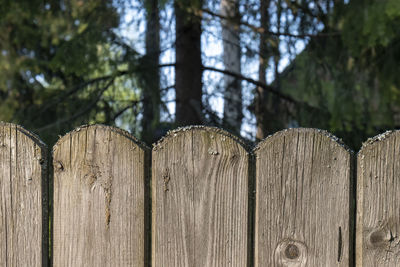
x: 200, y: 196
x: 378, y: 202
x: 23, y: 198
x: 100, y: 199
x: 303, y: 207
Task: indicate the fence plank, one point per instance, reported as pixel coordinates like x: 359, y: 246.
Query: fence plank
x: 23, y: 198
x: 200, y: 180
x: 378, y: 198
x: 100, y: 199
x: 303, y: 203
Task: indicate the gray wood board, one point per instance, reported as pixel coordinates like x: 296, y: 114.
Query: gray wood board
x: 99, y: 199
x: 200, y: 199
x: 23, y: 198
x: 303, y: 207
x: 378, y: 202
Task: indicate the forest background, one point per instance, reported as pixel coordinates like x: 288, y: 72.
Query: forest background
x: 252, y: 67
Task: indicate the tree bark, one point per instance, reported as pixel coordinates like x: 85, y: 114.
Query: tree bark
x: 277, y: 114
x: 151, y: 91
x: 261, y: 111
x: 233, y: 113
x: 188, y: 69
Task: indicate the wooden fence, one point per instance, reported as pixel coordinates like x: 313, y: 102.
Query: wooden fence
x: 200, y: 197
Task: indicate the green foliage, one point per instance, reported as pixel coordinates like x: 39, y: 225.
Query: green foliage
x: 351, y: 79
x: 59, y: 64
x: 373, y: 23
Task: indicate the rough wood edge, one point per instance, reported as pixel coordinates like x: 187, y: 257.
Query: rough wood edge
x: 44, y: 161
x: 321, y: 132
x: 117, y: 130
x: 34, y: 137
x: 251, y: 248
x: 148, y: 209
x: 243, y: 143
x: 373, y: 141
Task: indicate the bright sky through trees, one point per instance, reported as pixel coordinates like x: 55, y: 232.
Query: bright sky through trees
x: 132, y: 29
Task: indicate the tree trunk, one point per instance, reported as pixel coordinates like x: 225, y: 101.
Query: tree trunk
x: 151, y: 91
x: 261, y: 110
x: 277, y: 116
x: 188, y: 70
x: 233, y: 113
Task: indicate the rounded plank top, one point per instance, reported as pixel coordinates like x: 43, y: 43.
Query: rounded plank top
x: 377, y: 140
x: 32, y: 137
x: 100, y: 198
x: 199, y: 128
x: 23, y: 198
x: 112, y: 129
x: 303, y: 200
x: 378, y: 198
x: 323, y: 133
x: 200, y: 199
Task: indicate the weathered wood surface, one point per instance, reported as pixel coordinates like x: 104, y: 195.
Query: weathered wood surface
x: 100, y: 199
x: 200, y: 199
x: 23, y: 198
x: 378, y: 202
x: 303, y: 208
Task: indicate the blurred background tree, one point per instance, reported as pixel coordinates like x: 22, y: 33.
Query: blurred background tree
x: 251, y: 66
x: 54, y: 60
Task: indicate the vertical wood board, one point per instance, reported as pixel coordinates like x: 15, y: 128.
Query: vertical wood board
x: 378, y: 202
x: 23, y: 198
x: 200, y: 199
x: 100, y: 199
x: 303, y: 200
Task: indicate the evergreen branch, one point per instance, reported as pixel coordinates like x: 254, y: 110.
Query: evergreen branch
x: 268, y: 88
x: 79, y: 113
x: 83, y: 85
x: 262, y: 30
x: 258, y: 83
